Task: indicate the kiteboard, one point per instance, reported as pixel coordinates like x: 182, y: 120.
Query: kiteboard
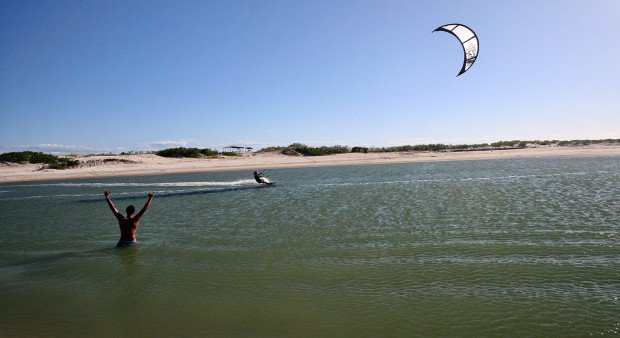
x: 265, y: 181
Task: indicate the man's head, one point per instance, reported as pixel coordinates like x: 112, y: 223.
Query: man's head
x: 130, y: 210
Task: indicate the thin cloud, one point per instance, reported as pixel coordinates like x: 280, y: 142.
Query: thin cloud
x: 58, y: 148
x: 158, y: 145
x: 252, y: 144
x: 319, y: 143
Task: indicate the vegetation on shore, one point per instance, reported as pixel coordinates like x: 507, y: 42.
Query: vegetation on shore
x: 302, y: 149
x: 50, y: 161
x: 193, y: 152
x: 299, y: 149
x: 450, y: 147
x: 491, y: 146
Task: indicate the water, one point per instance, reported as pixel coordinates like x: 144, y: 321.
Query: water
x: 527, y: 247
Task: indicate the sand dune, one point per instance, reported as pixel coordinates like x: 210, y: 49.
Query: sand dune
x: 150, y: 164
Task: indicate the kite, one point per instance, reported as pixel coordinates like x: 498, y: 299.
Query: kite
x: 469, y: 41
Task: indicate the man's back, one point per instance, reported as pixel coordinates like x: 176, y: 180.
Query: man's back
x: 128, y: 225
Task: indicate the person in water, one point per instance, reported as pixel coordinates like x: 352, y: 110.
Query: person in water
x: 261, y: 179
x: 128, y: 225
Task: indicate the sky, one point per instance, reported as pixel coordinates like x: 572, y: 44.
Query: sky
x: 110, y: 76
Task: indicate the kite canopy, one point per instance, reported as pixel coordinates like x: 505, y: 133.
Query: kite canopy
x: 469, y: 41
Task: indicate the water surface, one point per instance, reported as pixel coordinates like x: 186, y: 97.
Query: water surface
x: 526, y: 247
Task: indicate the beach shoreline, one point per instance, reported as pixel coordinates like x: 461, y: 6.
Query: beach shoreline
x: 107, y: 166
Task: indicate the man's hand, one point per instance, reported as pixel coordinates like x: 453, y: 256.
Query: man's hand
x: 106, y: 193
x: 151, y: 195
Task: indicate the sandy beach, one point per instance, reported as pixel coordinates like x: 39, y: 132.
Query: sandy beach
x: 150, y: 164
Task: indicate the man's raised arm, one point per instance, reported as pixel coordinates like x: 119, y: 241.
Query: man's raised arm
x: 111, y: 205
x: 146, y: 206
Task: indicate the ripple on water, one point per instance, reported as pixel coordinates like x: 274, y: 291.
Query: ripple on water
x: 483, y: 248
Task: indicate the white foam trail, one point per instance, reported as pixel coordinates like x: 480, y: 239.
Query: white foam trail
x: 125, y: 195
x: 149, y: 184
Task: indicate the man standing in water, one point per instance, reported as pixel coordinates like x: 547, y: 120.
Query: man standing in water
x: 128, y: 225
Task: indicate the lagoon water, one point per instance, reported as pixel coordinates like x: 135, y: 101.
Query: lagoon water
x: 527, y: 247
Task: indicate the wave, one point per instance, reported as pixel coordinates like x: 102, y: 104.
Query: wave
x: 145, y: 184
x: 90, y: 197
x: 172, y: 193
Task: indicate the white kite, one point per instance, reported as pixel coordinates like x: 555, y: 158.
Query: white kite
x: 469, y: 41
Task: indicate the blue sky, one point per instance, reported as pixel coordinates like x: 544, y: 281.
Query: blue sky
x: 99, y: 76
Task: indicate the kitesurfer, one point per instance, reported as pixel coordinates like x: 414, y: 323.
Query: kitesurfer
x: 128, y: 225
x: 261, y: 179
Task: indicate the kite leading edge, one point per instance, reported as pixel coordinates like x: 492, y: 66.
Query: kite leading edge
x: 469, y: 42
